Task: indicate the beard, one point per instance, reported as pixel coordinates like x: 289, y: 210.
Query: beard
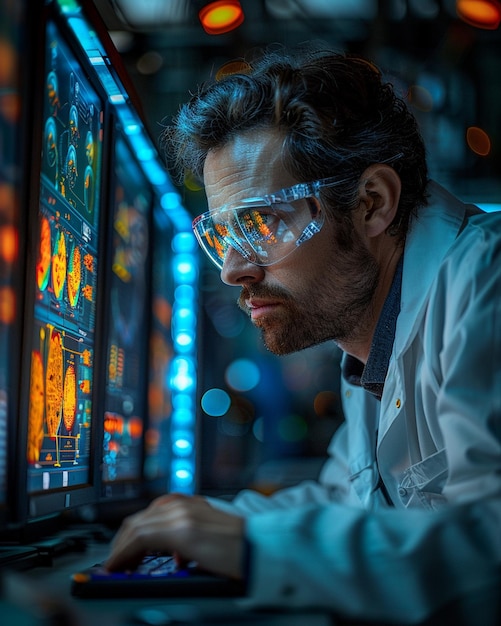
x: 336, y: 304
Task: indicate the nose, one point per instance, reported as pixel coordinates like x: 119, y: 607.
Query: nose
x: 237, y: 270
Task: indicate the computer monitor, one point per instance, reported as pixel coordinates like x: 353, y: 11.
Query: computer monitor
x: 100, y: 212
x: 127, y: 325
x: 61, y: 348
x: 149, y: 421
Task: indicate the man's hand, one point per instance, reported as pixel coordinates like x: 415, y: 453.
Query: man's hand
x: 186, y: 526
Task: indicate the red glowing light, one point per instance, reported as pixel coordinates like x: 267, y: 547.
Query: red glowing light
x: 480, y: 13
x: 221, y: 16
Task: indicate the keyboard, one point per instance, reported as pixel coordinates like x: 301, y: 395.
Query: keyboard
x: 157, y: 575
x: 157, y: 565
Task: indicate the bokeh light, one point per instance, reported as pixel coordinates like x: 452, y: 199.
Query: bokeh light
x: 420, y: 98
x: 480, y: 13
x: 242, y: 375
x: 221, y: 16
x: 150, y: 62
x: 478, y: 141
x: 8, y: 243
x: 325, y: 403
x: 233, y: 67
x: 7, y: 305
x: 258, y: 429
x: 215, y: 402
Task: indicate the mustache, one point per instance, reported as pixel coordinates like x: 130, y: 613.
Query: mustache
x: 261, y: 291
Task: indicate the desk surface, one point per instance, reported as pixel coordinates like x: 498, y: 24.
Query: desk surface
x: 41, y: 597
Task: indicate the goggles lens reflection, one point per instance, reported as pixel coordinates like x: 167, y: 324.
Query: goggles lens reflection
x: 263, y: 234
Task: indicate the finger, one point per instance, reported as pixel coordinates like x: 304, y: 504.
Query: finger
x: 124, y: 560
x: 147, y: 530
x: 180, y: 561
x: 127, y: 547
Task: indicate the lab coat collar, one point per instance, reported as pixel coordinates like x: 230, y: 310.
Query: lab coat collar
x: 429, y: 238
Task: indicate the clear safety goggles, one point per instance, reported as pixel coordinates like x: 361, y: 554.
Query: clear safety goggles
x: 264, y: 230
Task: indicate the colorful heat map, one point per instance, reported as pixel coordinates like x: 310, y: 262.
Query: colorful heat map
x: 61, y: 267
x: 54, y: 383
x: 53, y: 398
x: 74, y: 275
x: 37, y: 401
x: 44, y: 255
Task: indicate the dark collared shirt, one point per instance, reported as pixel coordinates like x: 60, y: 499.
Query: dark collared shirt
x: 372, y: 376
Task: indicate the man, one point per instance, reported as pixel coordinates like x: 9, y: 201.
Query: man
x: 322, y: 213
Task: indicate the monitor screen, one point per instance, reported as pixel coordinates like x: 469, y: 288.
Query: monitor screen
x: 128, y: 322
x: 149, y: 416
x: 63, y: 289
x: 158, y: 439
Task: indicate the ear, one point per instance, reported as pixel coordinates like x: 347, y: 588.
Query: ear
x: 380, y: 188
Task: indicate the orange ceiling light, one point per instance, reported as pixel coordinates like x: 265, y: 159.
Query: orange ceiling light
x: 221, y: 16
x: 480, y: 13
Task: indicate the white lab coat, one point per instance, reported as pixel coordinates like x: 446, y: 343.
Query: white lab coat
x: 335, y: 543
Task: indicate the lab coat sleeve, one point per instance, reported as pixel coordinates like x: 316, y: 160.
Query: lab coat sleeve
x: 249, y: 502
x: 396, y: 566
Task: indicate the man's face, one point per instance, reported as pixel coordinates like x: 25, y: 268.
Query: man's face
x: 319, y: 292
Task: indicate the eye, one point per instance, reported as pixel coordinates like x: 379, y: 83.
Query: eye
x: 260, y: 224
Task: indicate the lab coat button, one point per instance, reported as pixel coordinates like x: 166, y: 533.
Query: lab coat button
x: 398, y: 403
x: 402, y: 492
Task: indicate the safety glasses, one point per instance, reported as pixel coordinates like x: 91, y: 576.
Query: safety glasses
x: 264, y: 230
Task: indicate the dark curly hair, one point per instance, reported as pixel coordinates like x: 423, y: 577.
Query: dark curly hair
x: 337, y: 116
